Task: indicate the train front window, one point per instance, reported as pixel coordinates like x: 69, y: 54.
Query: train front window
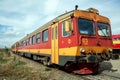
x: 86, y: 26
x: 103, y: 29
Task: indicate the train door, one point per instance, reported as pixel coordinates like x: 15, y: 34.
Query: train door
x: 54, y: 43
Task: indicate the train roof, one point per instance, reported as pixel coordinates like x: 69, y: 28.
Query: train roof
x: 65, y: 15
x: 50, y: 23
x: 116, y: 36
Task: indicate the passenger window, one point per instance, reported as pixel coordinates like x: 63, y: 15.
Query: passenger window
x: 38, y: 38
x: 22, y: 43
x: 27, y: 41
x: 33, y: 39
x: 45, y: 36
x: 30, y: 41
x: 64, y: 33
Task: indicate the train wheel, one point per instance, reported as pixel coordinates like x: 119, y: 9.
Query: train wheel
x: 107, y: 55
x: 47, y: 61
x: 34, y: 57
x: 103, y: 56
x: 70, y: 66
x: 21, y: 54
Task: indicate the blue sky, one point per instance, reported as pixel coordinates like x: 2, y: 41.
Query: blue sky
x: 20, y: 17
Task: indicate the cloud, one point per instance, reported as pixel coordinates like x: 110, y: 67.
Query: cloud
x: 6, y: 30
x: 21, y: 17
x: 3, y: 28
x: 51, y: 6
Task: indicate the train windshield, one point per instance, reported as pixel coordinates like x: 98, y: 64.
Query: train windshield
x: 86, y: 26
x: 103, y: 29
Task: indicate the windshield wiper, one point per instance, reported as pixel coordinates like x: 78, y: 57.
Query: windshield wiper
x: 103, y: 33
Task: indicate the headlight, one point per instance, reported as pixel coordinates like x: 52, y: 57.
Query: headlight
x: 110, y: 49
x: 82, y: 50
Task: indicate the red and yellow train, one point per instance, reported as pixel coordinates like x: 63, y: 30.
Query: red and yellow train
x: 81, y: 37
x: 116, y: 43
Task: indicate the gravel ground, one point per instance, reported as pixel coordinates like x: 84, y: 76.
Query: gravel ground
x: 55, y: 74
x: 112, y: 66
x: 49, y: 73
x: 116, y: 65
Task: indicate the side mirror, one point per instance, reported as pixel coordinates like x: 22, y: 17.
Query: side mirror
x: 67, y: 26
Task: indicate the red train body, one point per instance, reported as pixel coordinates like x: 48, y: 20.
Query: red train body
x: 116, y: 43
x: 77, y: 37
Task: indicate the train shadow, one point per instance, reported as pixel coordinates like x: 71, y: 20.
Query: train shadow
x: 106, y: 66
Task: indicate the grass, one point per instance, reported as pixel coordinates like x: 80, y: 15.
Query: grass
x: 47, y: 69
x: 2, y: 58
x: 11, y: 68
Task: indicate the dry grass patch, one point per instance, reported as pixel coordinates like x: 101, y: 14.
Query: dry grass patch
x: 11, y: 68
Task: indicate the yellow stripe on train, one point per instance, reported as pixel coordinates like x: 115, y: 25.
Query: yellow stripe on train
x: 116, y: 42
x: 38, y: 51
x: 72, y: 51
x: 75, y: 51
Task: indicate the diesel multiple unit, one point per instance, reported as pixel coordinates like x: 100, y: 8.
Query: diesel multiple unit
x: 79, y: 36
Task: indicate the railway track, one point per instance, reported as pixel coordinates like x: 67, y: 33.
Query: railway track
x: 105, y: 75
x: 101, y: 76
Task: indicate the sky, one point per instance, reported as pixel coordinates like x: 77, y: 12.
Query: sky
x: 21, y: 17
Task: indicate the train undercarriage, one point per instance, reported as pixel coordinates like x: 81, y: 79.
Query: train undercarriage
x: 82, y: 68
x: 87, y: 64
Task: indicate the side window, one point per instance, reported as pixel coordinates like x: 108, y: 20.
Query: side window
x: 24, y: 43
x: 30, y: 41
x: 38, y: 38
x: 19, y: 44
x: 64, y: 33
x: 27, y: 41
x: 45, y: 35
x: 33, y: 39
